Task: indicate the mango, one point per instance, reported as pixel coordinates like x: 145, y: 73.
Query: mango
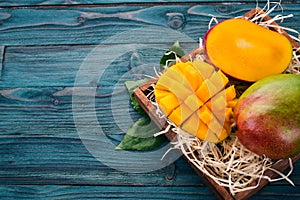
x: 245, y: 50
x: 267, y: 115
x: 194, y: 96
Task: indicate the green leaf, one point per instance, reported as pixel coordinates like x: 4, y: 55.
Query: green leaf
x: 140, y: 136
x: 131, y: 85
x: 170, y: 55
x: 177, y: 49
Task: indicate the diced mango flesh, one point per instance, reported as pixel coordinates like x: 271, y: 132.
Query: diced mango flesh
x: 198, y: 101
x: 180, y: 114
x: 193, y: 102
x: 168, y: 103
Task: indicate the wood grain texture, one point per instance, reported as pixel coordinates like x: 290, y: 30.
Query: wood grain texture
x: 95, y: 2
x: 44, y: 45
x: 133, y: 192
x: 39, y: 66
x: 65, y: 161
x: 105, y: 192
x: 96, y: 25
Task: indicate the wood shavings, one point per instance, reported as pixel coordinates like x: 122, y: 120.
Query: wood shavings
x: 294, y: 67
x: 228, y: 163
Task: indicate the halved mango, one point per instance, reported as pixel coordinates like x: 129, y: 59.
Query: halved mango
x: 247, y: 51
x: 198, y: 100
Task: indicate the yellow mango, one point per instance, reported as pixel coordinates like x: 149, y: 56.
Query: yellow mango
x: 247, y: 51
x: 198, y: 100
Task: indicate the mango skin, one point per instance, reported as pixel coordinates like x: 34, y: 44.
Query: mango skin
x: 245, y: 50
x: 268, y: 116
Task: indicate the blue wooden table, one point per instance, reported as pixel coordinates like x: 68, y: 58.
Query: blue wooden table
x: 64, y: 107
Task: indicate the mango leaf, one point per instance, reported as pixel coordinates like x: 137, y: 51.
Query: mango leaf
x: 131, y: 85
x: 170, y: 55
x: 140, y: 136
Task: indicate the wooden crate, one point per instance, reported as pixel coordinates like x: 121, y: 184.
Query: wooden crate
x: 220, y: 191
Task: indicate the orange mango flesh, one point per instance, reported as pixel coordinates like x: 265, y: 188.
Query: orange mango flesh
x: 193, y: 96
x: 247, y: 51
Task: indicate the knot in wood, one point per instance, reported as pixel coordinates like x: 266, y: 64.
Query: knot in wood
x: 56, y: 102
x: 224, y: 8
x: 80, y: 20
x: 176, y: 20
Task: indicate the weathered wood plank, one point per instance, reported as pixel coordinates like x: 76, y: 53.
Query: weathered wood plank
x: 40, y: 111
x: 65, y: 161
x: 39, y: 66
x: 104, y: 192
x: 133, y: 192
x: 95, y: 2
x: 282, y: 192
x: 96, y: 25
x: 27, y: 66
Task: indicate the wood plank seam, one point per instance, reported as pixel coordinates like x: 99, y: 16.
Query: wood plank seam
x: 116, y: 4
